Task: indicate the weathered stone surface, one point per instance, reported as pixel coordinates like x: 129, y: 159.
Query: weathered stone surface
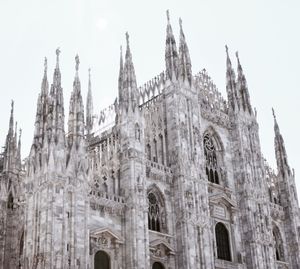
x: 176, y: 179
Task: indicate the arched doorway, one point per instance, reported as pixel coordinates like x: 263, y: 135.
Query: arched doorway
x: 157, y: 265
x: 101, y: 260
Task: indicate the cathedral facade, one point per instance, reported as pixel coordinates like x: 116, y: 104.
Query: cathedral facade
x: 171, y: 176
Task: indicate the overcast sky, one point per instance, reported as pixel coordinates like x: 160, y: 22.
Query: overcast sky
x: 266, y: 34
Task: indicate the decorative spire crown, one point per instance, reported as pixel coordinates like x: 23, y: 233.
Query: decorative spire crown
x: 57, y: 57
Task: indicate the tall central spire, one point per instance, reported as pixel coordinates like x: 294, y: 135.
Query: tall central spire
x: 171, y: 55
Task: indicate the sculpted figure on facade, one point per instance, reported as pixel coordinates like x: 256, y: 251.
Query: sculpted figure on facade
x: 169, y: 176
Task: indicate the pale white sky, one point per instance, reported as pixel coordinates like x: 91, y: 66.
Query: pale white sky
x: 266, y: 34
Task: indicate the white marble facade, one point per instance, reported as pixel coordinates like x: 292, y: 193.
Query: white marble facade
x: 169, y: 176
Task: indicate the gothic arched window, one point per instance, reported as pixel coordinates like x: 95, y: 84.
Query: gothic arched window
x: 157, y: 265
x: 211, y: 161
x: 222, y: 241
x: 278, y: 244
x: 155, y: 212
x: 101, y: 260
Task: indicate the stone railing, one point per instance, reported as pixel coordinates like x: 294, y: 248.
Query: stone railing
x: 222, y: 264
x: 282, y: 265
x: 102, y: 201
x: 158, y: 172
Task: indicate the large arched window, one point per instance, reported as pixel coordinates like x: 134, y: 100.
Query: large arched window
x: 211, y: 159
x: 157, y: 265
x: 102, y: 260
x: 278, y: 244
x: 154, y: 213
x: 156, y: 210
x: 222, y: 241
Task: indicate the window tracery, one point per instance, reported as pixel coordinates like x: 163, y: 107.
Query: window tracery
x: 155, y: 212
x: 212, y: 167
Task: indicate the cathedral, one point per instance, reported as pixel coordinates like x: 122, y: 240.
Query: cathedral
x: 170, y: 176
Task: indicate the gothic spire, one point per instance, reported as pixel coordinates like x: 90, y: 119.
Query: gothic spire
x: 230, y: 83
x: 171, y: 55
x: 76, y: 114
x: 120, y: 75
x: 280, y: 151
x: 10, y: 143
x: 18, y: 161
x: 242, y: 87
x: 56, y: 118
x: 185, y: 66
x: 57, y: 75
x: 45, y: 85
x: 89, y: 106
x: 129, y: 91
x: 11, y: 120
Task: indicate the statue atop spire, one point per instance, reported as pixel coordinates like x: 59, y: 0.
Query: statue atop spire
x: 57, y: 57
x: 45, y: 65
x: 77, y: 62
x: 168, y: 15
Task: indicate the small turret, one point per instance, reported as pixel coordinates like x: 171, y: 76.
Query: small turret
x: 185, y: 66
x: 171, y: 55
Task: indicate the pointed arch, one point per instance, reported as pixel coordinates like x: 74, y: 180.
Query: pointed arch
x: 214, y: 155
x: 222, y: 242
x: 158, y: 265
x: 156, y: 209
x: 101, y: 260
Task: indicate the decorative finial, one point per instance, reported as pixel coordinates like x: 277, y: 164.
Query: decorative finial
x: 237, y: 55
x: 89, y: 73
x: 121, y: 50
x: 180, y: 23
x: 168, y: 15
x: 20, y: 132
x: 273, y: 112
x: 45, y: 65
x: 12, y: 105
x: 77, y: 62
x: 226, y: 47
x: 127, y: 38
x: 57, y: 56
